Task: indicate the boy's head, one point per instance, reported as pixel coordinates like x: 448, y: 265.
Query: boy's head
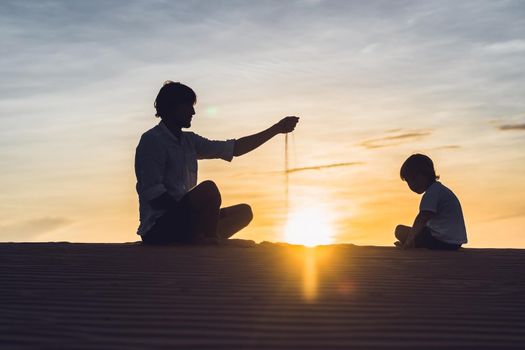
x: 418, y: 171
x: 175, y: 102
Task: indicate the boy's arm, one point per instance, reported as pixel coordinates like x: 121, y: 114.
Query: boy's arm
x: 249, y: 143
x: 419, y: 224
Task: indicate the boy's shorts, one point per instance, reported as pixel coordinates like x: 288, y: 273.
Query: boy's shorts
x: 426, y: 240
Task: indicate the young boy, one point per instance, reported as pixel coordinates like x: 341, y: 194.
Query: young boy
x: 173, y: 208
x: 439, y: 224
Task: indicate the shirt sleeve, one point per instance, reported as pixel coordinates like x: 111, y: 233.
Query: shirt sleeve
x: 429, y: 202
x: 212, y: 149
x: 150, y: 163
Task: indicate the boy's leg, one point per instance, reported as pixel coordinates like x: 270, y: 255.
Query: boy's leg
x: 233, y: 219
x: 426, y: 240
x: 422, y: 240
x: 402, y: 232
x: 204, y: 202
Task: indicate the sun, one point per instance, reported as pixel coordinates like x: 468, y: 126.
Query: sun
x: 309, y: 226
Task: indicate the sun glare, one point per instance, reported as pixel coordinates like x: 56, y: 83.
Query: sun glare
x: 309, y: 227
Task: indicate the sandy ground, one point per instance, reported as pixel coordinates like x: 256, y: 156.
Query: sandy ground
x: 128, y: 296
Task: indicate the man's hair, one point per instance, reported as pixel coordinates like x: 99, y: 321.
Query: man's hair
x: 418, y: 164
x: 173, y: 94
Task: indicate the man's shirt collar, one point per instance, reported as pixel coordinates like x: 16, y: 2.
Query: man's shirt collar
x: 167, y: 131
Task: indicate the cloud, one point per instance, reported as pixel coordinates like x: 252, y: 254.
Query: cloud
x: 307, y: 168
x: 506, y: 127
x: 319, y: 167
x: 448, y: 147
x: 506, y: 47
x: 31, y: 229
x: 510, y: 215
x: 394, y: 140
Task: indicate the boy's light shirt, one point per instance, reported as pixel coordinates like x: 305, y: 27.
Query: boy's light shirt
x: 448, y: 225
x: 165, y: 163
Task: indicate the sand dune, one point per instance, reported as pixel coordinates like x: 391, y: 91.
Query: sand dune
x: 127, y: 296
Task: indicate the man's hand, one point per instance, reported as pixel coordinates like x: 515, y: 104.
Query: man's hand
x: 249, y: 143
x: 286, y: 125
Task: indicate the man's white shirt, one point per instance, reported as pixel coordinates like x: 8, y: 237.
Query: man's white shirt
x: 165, y: 163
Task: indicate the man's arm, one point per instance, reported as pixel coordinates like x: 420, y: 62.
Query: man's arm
x: 249, y: 143
x: 419, y: 224
x: 150, y: 163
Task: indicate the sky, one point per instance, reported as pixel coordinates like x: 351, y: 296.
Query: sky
x: 373, y: 82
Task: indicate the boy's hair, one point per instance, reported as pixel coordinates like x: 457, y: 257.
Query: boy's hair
x: 173, y: 94
x: 418, y: 163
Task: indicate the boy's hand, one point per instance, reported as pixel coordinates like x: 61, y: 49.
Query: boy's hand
x: 410, y: 242
x: 286, y: 125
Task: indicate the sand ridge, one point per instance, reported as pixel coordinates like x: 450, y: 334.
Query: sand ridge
x: 85, y: 296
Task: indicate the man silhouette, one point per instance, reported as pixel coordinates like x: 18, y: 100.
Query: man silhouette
x: 173, y: 208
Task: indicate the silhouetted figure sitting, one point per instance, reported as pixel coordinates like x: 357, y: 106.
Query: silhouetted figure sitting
x: 173, y: 208
x: 440, y: 223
